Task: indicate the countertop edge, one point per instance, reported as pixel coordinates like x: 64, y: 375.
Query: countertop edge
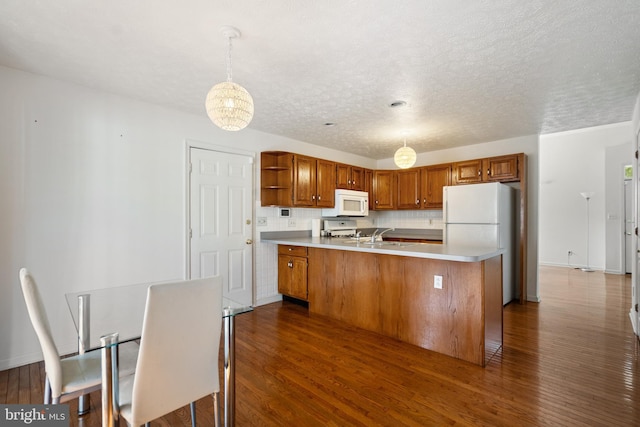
x: 457, y: 253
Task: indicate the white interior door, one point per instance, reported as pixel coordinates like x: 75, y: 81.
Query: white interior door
x: 220, y: 219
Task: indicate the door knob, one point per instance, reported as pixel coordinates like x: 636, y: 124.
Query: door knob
x: 249, y: 241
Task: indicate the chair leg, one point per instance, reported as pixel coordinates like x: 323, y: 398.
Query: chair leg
x: 216, y: 409
x: 192, y: 405
x: 47, y: 391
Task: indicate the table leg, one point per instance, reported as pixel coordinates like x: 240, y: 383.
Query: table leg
x: 229, y: 372
x: 83, y: 343
x: 110, y: 386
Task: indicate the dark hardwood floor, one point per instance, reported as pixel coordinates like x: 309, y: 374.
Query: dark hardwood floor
x: 571, y: 360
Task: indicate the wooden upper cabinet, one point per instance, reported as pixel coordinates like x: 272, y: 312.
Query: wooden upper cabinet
x: 503, y: 168
x: 343, y: 176
x: 384, y: 189
x: 421, y: 188
x: 325, y: 183
x: 313, y: 182
x: 467, y: 172
x: 496, y: 169
x: 408, y: 183
x: 432, y: 180
x: 276, y: 178
x: 357, y: 178
x: 350, y: 177
x: 289, y: 179
x: 304, y: 181
x: 368, y: 186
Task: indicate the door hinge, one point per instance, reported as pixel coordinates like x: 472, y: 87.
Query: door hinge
x: 636, y: 154
x: 636, y: 231
x: 636, y: 308
x: 190, y: 167
x: 190, y: 233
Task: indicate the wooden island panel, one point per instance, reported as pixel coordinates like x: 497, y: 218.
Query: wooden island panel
x: 395, y: 296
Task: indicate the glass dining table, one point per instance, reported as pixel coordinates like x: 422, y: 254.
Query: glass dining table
x: 107, y: 317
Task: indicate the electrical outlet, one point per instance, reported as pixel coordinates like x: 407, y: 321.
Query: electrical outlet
x: 437, y: 282
x: 261, y: 221
x: 291, y: 222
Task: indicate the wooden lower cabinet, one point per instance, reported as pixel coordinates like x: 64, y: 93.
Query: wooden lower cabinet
x: 292, y: 271
x: 395, y: 296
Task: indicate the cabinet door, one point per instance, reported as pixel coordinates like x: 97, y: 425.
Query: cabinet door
x: 343, y: 176
x: 292, y: 276
x: 467, y: 172
x: 384, y: 192
x: 304, y: 181
x: 433, y: 180
x: 368, y: 186
x: 502, y: 169
x: 357, y: 178
x: 325, y: 183
x: 408, y: 184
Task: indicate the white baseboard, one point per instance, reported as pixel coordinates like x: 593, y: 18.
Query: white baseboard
x: 14, y: 362
x: 533, y: 298
x: 268, y: 300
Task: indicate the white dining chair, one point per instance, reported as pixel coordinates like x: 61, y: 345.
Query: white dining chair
x: 178, y: 361
x: 70, y: 377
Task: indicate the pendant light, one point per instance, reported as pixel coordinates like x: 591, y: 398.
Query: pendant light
x: 405, y: 157
x: 228, y: 104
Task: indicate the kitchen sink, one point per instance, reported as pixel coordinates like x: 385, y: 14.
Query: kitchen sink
x: 383, y: 244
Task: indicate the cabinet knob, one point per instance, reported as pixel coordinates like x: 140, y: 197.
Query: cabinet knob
x: 424, y: 201
x: 319, y: 197
x: 417, y: 201
x: 290, y: 249
x: 376, y: 202
x: 290, y: 264
x: 479, y: 172
x: 313, y: 197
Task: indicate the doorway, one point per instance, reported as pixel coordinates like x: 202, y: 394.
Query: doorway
x: 220, y: 219
x: 628, y: 219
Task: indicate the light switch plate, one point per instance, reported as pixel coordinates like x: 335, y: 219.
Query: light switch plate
x: 437, y: 282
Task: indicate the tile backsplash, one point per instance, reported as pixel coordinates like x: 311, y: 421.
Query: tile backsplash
x: 268, y: 219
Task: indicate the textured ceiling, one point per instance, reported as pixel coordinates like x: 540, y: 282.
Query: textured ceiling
x: 471, y: 71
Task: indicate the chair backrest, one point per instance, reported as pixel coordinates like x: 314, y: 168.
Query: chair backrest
x: 178, y: 358
x: 40, y: 323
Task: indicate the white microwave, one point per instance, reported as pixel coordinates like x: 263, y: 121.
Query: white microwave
x: 349, y: 203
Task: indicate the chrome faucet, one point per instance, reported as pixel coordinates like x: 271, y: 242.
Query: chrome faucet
x: 378, y: 237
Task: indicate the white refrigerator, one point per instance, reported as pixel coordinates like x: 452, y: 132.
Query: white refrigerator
x: 484, y: 215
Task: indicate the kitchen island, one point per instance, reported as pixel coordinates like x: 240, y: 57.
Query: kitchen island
x: 389, y: 288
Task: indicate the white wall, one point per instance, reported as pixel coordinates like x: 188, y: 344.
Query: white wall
x: 93, y: 195
x: 577, y: 161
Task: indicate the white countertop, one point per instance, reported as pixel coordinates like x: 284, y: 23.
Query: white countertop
x: 459, y: 253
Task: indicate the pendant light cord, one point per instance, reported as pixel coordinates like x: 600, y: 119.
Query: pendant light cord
x: 229, y: 60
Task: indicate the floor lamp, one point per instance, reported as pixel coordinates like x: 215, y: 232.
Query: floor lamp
x: 587, y: 196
